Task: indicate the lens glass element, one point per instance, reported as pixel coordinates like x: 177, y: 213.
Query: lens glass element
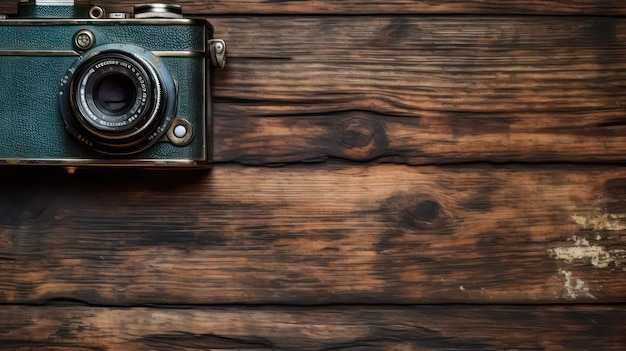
x: 115, y: 93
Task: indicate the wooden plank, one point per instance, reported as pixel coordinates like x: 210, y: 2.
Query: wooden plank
x: 400, y: 7
x: 314, y: 235
x: 329, y: 328
x: 421, y: 89
x: 8, y: 7
x: 355, y: 7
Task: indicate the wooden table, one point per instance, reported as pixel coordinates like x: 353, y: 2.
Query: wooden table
x: 450, y: 177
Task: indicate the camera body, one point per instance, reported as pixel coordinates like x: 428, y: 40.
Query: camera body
x: 96, y: 90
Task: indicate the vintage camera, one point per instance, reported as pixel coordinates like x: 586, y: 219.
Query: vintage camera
x: 82, y: 87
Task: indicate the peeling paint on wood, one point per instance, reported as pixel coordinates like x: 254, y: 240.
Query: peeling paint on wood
x: 602, y: 221
x: 574, y: 287
x: 582, y: 251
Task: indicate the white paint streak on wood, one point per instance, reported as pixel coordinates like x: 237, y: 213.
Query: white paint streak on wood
x: 574, y: 287
x: 601, y: 221
x: 585, y: 252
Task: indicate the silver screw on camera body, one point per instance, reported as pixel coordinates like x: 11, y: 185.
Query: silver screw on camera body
x: 84, y: 40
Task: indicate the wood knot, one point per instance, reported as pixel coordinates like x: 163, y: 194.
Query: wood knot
x: 396, y: 32
x: 427, y: 210
x: 422, y: 215
x: 361, y: 138
x: 419, y: 212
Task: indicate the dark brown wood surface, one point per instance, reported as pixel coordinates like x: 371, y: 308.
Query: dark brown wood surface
x: 421, y: 89
x: 472, y: 194
x: 317, y: 234
x: 396, y: 7
x: 316, y: 328
x: 351, y: 7
x: 8, y: 7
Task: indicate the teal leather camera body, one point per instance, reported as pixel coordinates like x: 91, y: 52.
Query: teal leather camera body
x: 85, y: 88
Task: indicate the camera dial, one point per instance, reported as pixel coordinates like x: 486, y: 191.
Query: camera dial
x: 118, y: 99
x: 158, y: 11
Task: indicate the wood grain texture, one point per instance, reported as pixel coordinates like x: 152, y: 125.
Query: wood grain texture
x: 339, y: 328
x: 8, y: 7
x: 360, y: 7
x: 316, y: 235
x: 421, y: 89
x: 359, y: 247
x: 400, y: 7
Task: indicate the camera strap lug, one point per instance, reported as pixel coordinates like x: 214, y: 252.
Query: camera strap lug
x: 217, y: 51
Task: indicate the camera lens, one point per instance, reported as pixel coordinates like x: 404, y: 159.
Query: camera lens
x: 118, y: 101
x: 115, y: 93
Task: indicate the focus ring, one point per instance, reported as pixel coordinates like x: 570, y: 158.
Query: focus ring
x: 118, y: 99
x: 112, y: 94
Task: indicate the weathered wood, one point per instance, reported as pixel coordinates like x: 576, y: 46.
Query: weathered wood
x: 8, y: 7
x: 315, y: 234
x: 400, y: 7
x: 421, y: 89
x: 406, y: 89
x: 338, y: 328
x: 352, y: 7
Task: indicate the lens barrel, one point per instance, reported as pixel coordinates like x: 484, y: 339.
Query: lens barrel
x: 118, y: 99
x: 114, y: 95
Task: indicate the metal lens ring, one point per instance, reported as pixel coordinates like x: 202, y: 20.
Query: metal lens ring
x: 118, y: 99
x: 114, y: 94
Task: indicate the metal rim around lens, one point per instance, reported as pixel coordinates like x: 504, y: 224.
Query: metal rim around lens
x: 107, y: 122
x: 156, y: 114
